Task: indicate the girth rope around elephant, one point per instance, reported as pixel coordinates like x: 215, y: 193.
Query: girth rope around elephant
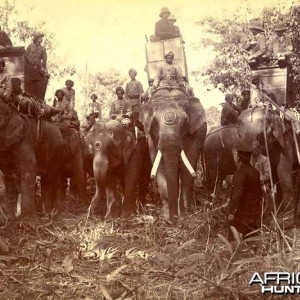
x: 288, y: 118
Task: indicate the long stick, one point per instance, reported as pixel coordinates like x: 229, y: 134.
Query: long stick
x: 296, y: 142
x: 269, y: 164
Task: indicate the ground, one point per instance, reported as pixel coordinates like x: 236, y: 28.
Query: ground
x: 73, y: 256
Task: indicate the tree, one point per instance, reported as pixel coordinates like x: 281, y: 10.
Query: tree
x: 103, y: 84
x: 230, y: 71
x: 22, y: 31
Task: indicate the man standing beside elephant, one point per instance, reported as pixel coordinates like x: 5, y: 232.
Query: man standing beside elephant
x: 246, y: 198
x: 262, y: 164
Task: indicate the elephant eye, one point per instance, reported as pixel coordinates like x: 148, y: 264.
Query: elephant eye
x: 98, y: 145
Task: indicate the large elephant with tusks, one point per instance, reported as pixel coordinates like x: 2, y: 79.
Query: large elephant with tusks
x: 176, y: 127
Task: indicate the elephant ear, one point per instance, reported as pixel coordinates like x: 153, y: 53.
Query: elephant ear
x: 278, y: 130
x: 15, y: 130
x: 129, y: 145
x: 146, y: 116
x: 196, y: 115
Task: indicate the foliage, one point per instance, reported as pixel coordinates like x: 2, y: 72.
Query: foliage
x: 228, y: 36
x: 70, y: 257
x: 21, y: 32
x: 103, y: 84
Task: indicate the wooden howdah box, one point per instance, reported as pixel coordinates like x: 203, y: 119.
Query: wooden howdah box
x: 155, y: 56
x: 22, y: 74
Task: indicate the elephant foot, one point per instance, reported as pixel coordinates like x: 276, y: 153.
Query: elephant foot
x: 127, y: 215
x: 112, y: 215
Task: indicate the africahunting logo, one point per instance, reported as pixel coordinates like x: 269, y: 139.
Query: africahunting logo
x: 278, y: 283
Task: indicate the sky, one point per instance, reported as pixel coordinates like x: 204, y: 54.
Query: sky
x: 110, y: 34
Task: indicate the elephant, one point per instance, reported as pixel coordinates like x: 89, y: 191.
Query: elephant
x: 257, y: 124
x: 175, y: 126
x: 29, y: 147
x: 219, y: 154
x: 73, y: 166
x: 119, y: 156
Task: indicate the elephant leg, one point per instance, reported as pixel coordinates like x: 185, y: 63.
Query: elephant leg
x: 163, y: 193
x: 187, y: 182
x: 98, y: 202
x: 28, y: 170
x: 132, y: 177
x: 284, y: 173
x: 113, y: 201
x: 78, y: 176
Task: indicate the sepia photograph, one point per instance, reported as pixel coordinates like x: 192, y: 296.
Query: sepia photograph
x: 149, y: 149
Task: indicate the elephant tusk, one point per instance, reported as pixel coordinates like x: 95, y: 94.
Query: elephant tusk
x: 187, y: 163
x: 136, y: 131
x: 156, y: 164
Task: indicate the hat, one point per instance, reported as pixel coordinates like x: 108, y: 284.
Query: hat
x: 280, y: 27
x: 163, y: 11
x: 170, y: 53
x: 244, y: 149
x: 172, y: 17
x: 245, y: 92
x: 255, y: 144
x: 37, y: 35
x: 256, y: 24
x: 228, y: 97
x: 17, y: 90
x: 93, y: 96
x: 255, y: 79
x: 132, y: 71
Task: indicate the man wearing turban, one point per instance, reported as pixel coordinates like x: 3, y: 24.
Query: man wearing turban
x: 169, y: 75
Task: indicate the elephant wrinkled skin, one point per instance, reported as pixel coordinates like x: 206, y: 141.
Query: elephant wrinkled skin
x: 176, y: 127
x: 119, y: 158
x: 26, y: 156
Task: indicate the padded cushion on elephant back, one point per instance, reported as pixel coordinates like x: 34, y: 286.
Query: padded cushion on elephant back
x: 165, y: 95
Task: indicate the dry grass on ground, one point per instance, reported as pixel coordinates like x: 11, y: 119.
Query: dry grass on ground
x: 71, y: 257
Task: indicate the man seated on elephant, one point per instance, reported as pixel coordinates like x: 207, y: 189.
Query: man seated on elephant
x: 93, y: 113
x: 119, y: 107
x: 164, y: 28
x: 246, y: 198
x: 5, y: 80
x: 257, y: 48
x: 5, y: 41
x: 66, y: 113
x: 246, y: 100
x: 69, y: 92
x: 36, y: 54
x: 262, y: 164
x: 230, y: 112
x: 169, y: 75
x: 133, y: 92
x: 281, y: 45
x: 24, y: 104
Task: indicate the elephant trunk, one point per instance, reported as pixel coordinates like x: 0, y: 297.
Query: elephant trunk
x: 100, y: 167
x: 171, y: 158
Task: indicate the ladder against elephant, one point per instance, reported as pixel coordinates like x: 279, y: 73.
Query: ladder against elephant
x: 23, y: 74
